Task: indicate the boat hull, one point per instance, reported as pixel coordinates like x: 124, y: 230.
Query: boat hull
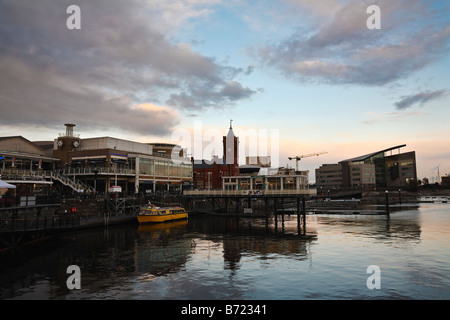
x: 161, y: 218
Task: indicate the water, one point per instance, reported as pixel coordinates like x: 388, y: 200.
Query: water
x: 216, y: 258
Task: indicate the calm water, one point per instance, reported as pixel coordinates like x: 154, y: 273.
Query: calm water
x: 228, y: 258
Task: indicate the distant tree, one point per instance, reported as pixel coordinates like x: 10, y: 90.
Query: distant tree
x: 425, y: 181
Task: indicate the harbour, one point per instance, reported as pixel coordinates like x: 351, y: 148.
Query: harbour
x: 30, y: 223
x: 224, y: 151
x: 217, y: 257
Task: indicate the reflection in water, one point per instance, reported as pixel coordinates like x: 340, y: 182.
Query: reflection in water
x: 165, y: 248
x: 161, y: 248
x: 397, y: 229
x: 210, y: 257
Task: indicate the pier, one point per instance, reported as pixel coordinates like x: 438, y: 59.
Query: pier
x: 26, y: 224
x: 298, y: 202
x: 253, y: 204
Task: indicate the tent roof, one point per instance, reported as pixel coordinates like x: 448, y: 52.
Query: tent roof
x: 4, y: 185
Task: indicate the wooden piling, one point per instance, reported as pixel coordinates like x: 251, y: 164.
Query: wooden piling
x: 387, y: 201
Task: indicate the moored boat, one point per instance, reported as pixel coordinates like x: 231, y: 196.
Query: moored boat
x: 154, y: 214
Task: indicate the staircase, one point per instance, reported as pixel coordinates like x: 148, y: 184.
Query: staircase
x: 72, y: 183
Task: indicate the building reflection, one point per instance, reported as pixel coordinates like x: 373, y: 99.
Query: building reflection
x: 111, y: 256
x: 399, y: 229
x: 165, y: 248
x: 161, y: 248
x: 257, y: 237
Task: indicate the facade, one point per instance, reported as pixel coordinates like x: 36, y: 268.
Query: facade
x: 24, y: 164
x: 104, y: 162
x: 400, y: 170
x: 208, y: 174
x: 261, y: 161
x: 19, y: 153
x: 329, y: 176
x: 266, y: 183
x: 377, y: 169
x: 94, y: 164
x: 445, y: 181
x: 358, y: 174
x: 257, y: 181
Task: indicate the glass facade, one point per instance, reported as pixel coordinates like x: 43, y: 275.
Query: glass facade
x: 164, y: 168
x: 146, y: 166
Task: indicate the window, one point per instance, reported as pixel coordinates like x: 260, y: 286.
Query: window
x: 146, y: 166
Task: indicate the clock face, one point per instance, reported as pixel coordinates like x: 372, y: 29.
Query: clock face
x: 60, y: 143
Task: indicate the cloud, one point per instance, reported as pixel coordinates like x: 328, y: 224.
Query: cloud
x: 338, y: 48
x: 376, y: 117
x: 201, y: 97
x: 123, y: 56
x: 419, y: 98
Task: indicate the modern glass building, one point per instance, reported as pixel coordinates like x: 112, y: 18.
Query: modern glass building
x: 383, y: 168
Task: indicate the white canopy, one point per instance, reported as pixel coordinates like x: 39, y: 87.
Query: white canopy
x: 4, y: 185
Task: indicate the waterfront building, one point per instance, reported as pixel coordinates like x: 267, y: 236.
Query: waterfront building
x: 255, y: 180
x: 329, y: 176
x: 94, y: 164
x: 23, y: 163
x: 104, y: 162
x: 269, y: 185
x: 377, y: 169
x: 266, y: 183
x: 445, y: 181
x: 207, y: 174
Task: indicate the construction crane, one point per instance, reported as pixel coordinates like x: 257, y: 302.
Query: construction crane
x: 298, y: 158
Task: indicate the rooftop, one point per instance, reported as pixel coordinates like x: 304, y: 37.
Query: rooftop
x: 367, y: 156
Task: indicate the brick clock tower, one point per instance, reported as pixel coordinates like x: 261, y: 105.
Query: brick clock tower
x: 66, y: 143
x: 231, y: 152
x: 209, y: 175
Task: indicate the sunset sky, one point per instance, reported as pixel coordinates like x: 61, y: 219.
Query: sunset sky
x: 310, y: 70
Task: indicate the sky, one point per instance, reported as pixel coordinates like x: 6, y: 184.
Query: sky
x: 304, y: 76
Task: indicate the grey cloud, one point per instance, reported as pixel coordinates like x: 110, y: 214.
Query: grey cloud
x: 343, y: 51
x: 223, y: 95
x: 235, y: 91
x: 32, y: 96
x: 420, y: 98
x: 98, y: 74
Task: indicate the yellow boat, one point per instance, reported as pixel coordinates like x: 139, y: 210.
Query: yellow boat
x: 153, y: 214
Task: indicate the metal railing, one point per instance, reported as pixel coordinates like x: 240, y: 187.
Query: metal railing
x: 73, y: 183
x: 37, y: 224
x: 43, y: 176
x: 241, y: 193
x: 119, y: 171
x: 22, y: 174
